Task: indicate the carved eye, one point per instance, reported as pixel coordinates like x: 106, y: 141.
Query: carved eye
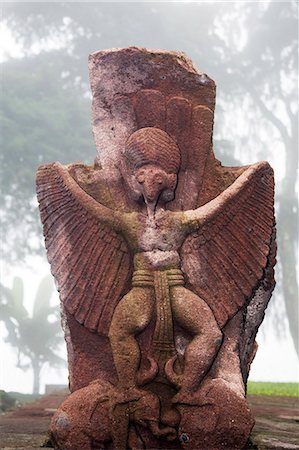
x: 140, y: 177
x: 184, y: 438
x: 158, y: 179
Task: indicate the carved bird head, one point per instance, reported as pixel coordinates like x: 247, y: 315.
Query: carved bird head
x: 153, y: 160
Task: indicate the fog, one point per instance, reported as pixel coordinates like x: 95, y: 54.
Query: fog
x: 250, y: 49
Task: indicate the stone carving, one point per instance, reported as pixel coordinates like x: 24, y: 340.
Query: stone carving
x: 164, y: 263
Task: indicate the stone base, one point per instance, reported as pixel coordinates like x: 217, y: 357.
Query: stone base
x: 217, y: 419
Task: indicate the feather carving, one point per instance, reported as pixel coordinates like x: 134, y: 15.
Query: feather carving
x: 225, y: 260
x: 89, y: 260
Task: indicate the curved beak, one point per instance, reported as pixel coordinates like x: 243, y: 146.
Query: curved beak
x: 151, y: 205
x: 151, y: 194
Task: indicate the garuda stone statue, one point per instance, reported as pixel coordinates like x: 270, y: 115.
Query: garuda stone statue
x: 164, y: 263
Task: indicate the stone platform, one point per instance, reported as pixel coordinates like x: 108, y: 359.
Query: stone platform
x: 277, y: 423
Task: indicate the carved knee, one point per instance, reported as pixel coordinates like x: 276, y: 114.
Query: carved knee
x: 117, y: 332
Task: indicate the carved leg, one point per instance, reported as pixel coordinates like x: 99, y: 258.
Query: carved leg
x: 195, y: 316
x: 131, y: 316
x: 120, y: 426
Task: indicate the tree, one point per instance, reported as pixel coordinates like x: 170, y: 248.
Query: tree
x: 250, y: 49
x: 267, y: 80
x: 37, y: 337
x: 43, y: 120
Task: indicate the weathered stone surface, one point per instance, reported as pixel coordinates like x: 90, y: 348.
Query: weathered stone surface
x: 164, y: 262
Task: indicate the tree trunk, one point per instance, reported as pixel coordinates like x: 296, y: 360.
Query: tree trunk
x: 36, y: 376
x: 287, y: 215
x: 288, y: 236
x: 289, y: 283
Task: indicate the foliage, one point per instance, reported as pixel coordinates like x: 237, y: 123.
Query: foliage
x: 36, y: 337
x: 263, y: 77
x: 22, y: 399
x: 267, y: 388
x: 43, y: 120
x: 7, y: 401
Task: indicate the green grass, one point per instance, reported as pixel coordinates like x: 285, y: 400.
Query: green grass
x: 24, y: 398
x: 10, y: 400
x: 267, y: 388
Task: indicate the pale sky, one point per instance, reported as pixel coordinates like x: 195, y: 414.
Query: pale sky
x: 276, y: 360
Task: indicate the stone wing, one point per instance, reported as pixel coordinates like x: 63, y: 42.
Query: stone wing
x: 89, y: 261
x: 229, y: 258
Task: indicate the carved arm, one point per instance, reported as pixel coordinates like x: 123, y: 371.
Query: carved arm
x: 195, y: 219
x: 103, y: 214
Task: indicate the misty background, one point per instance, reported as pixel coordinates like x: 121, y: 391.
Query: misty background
x: 250, y: 49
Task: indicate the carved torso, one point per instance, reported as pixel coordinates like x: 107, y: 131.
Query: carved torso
x: 155, y: 242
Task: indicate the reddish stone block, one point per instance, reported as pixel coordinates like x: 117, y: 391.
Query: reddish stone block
x: 164, y: 263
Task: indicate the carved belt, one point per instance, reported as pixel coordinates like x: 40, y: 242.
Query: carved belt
x: 163, y: 339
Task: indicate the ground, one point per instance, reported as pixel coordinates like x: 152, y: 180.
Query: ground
x: 277, y: 418
x: 277, y: 422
